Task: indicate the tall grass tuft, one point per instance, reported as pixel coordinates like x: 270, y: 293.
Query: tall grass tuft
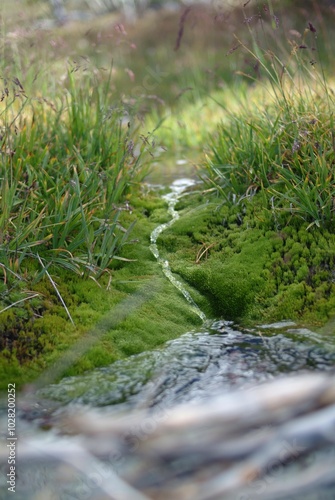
x: 283, y: 148
x: 67, y: 163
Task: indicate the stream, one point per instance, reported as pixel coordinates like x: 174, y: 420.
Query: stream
x: 214, y: 358
x: 177, y: 188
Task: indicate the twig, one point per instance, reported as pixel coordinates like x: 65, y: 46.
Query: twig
x: 223, y: 448
x: 19, y: 301
x: 181, y: 27
x: 56, y: 289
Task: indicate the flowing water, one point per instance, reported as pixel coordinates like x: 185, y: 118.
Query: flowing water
x: 177, y: 188
x: 216, y: 357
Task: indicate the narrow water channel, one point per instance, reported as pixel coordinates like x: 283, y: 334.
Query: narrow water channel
x: 216, y: 357
x: 177, y: 188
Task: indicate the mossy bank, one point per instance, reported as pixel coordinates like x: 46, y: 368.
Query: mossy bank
x: 130, y: 310
x: 251, y: 269
x: 237, y: 264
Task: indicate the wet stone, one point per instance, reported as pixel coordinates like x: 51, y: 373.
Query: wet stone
x: 195, y: 366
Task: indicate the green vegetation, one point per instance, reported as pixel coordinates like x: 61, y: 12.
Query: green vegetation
x: 284, y: 150
x: 107, y: 327
x: 250, y: 270
x: 64, y: 171
x: 89, y: 108
x: 272, y: 166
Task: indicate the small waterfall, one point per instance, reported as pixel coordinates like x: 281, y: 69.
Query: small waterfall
x: 177, y: 188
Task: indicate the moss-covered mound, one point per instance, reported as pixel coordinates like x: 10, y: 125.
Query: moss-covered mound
x: 130, y: 310
x: 249, y: 269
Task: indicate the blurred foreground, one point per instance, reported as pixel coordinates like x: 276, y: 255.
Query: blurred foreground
x: 273, y: 441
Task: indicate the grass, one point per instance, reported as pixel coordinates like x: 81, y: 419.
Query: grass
x: 67, y: 168
x: 87, y: 108
x: 285, y: 148
x: 136, y: 310
x: 70, y: 158
x: 286, y: 154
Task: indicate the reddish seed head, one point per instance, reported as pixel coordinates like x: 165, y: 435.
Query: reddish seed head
x: 311, y: 28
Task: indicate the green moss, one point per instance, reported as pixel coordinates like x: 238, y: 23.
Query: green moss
x: 302, y: 272
x: 243, y: 270
x: 252, y: 272
x: 40, y: 333
x: 231, y: 290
